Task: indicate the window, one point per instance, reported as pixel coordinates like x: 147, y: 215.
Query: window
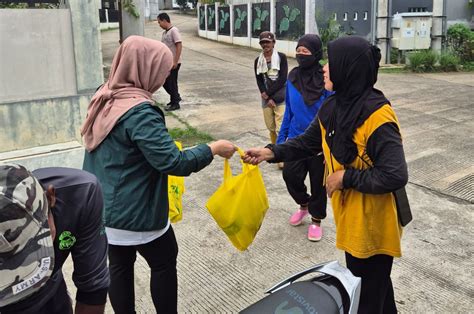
x: 366, y: 15
x: 356, y: 16
x: 335, y: 16
x: 417, y: 9
x: 345, y: 16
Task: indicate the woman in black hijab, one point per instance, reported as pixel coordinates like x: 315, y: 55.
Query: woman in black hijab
x: 359, y: 134
x: 305, y: 95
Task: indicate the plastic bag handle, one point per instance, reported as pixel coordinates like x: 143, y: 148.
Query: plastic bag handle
x: 228, y: 170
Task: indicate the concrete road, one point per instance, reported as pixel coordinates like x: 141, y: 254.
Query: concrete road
x: 220, y: 97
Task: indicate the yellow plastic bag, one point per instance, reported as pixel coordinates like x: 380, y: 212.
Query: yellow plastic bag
x: 175, y: 194
x: 239, y: 204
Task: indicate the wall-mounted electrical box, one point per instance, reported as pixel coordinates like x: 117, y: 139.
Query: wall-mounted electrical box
x: 412, y: 31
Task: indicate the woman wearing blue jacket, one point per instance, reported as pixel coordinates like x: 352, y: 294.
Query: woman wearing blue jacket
x: 305, y: 94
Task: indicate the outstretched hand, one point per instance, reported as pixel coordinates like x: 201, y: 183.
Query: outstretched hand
x: 256, y: 155
x: 223, y: 148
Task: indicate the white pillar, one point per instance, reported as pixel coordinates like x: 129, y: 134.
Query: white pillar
x: 249, y: 23
x: 216, y: 17
x: 154, y: 9
x: 231, y: 16
x: 132, y: 25
x: 198, y: 7
x: 86, y: 43
x: 437, y: 29
x: 382, y: 35
x: 310, y: 26
x: 205, y: 17
x: 272, y: 16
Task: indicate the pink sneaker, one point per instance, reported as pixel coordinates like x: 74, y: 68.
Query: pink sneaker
x: 315, y: 232
x: 298, y: 216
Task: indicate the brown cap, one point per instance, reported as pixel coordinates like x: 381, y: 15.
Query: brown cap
x: 266, y: 36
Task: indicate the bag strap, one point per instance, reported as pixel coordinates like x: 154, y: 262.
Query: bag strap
x: 228, y: 170
x: 401, y: 202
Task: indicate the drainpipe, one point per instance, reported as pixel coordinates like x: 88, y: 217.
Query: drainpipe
x: 120, y: 22
x: 374, y: 21
x: 445, y: 24
x: 389, y: 31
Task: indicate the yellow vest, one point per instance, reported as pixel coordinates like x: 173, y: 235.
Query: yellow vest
x: 366, y: 224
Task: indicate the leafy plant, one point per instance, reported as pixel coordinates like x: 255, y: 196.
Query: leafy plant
x: 468, y: 66
x: 449, y: 62
x: 15, y: 5
x: 423, y: 61
x: 202, y: 15
x: 241, y: 15
x: 329, y: 30
x: 332, y: 30
x: 130, y: 8
x: 290, y: 16
x: 211, y: 15
x: 460, y: 41
x: 261, y: 17
x: 224, y: 17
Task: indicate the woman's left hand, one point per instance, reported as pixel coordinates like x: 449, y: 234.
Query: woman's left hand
x: 334, y: 182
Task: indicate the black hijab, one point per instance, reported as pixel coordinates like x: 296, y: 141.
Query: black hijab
x: 308, y: 80
x: 353, y: 67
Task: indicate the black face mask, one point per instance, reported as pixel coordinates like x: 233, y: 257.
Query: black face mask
x: 305, y: 61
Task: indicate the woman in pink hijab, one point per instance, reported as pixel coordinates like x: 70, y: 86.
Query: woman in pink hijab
x: 131, y: 152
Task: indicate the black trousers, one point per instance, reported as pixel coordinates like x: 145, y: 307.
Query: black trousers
x: 59, y: 303
x: 160, y: 255
x: 294, y: 174
x: 171, y: 86
x: 377, y: 291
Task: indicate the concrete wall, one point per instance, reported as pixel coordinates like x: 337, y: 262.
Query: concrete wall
x: 458, y: 12
x: 50, y: 65
x: 87, y: 46
x: 401, y: 6
x: 327, y: 8
x: 41, y: 122
x: 36, y: 54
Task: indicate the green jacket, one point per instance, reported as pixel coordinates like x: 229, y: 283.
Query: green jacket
x: 133, y: 164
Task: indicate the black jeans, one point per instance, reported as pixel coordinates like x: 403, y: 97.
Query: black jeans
x: 160, y: 255
x: 376, y: 294
x: 294, y: 174
x: 171, y: 86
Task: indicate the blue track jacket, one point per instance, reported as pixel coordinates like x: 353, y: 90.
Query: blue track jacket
x: 298, y: 116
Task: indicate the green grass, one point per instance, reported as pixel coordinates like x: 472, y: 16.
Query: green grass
x: 423, y: 61
x: 468, y: 66
x: 449, y: 62
x: 108, y: 29
x: 189, y: 135
x: 393, y: 70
